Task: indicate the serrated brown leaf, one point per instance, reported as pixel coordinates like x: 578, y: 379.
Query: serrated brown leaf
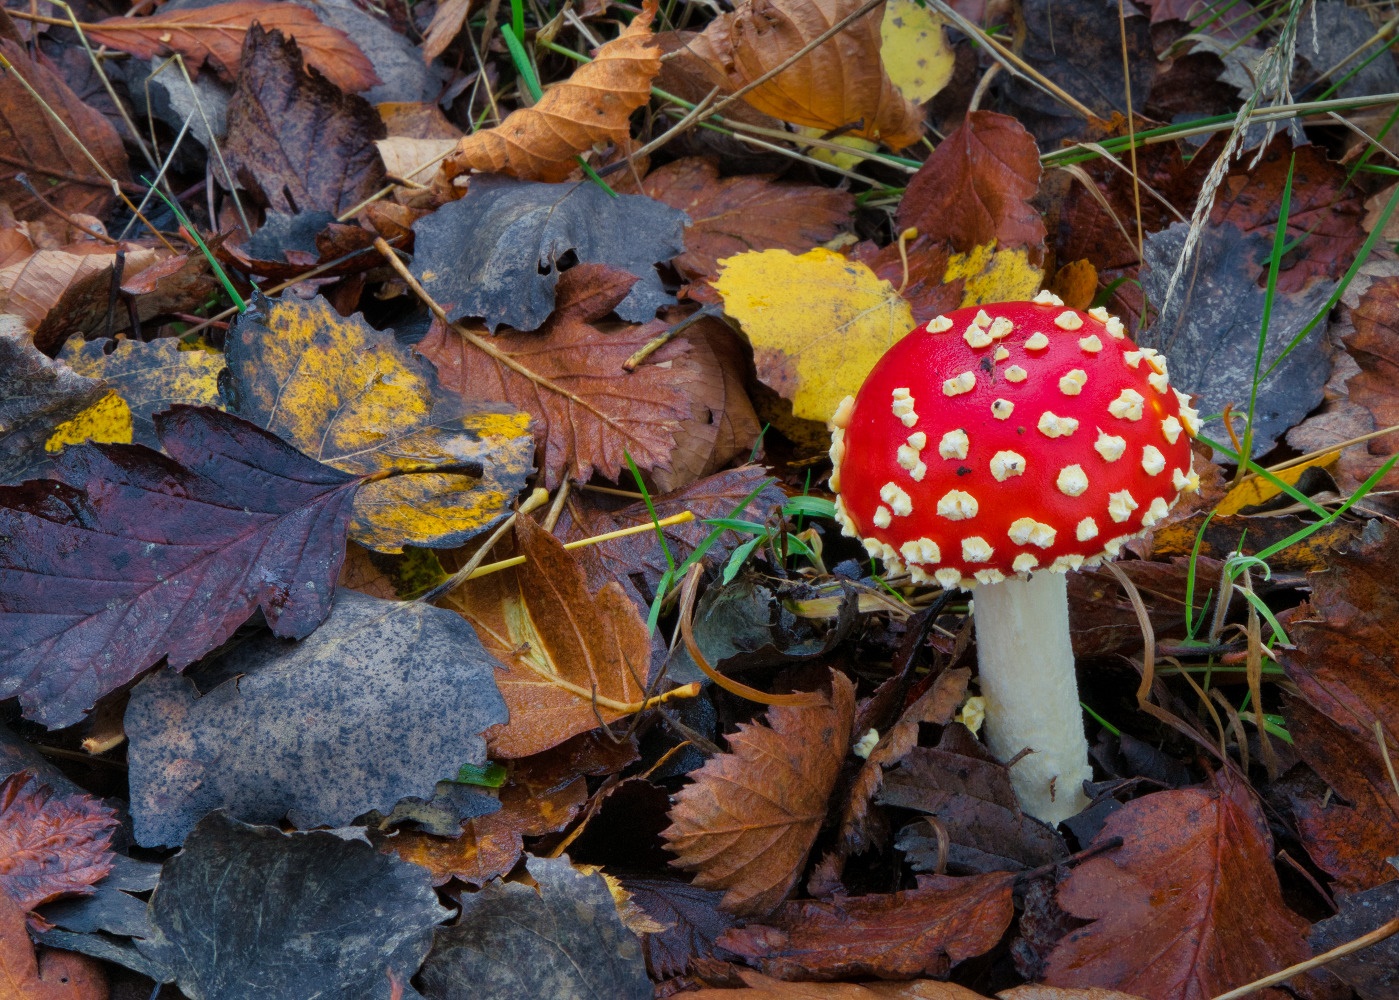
x: 586, y: 409
x: 592, y: 106
x: 58, y: 976
x: 36, y: 145
x: 1188, y: 907
x: 975, y: 188
x: 51, y: 845
x: 749, y: 818
x: 294, y: 138
x: 837, y: 85
x: 214, y: 34
x: 917, y: 932
x: 749, y: 212
x: 570, y: 660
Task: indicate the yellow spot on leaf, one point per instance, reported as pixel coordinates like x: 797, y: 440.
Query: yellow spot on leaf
x: 107, y: 421
x: 994, y: 275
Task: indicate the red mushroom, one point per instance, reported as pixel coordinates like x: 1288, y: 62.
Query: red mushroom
x: 994, y: 449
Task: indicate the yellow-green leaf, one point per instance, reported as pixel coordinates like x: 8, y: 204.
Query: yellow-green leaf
x: 817, y: 322
x: 354, y: 398
x: 914, y: 49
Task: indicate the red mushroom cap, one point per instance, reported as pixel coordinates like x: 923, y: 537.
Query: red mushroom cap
x: 1007, y: 438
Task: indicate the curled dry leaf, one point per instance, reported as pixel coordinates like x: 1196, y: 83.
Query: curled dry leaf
x: 50, y: 844
x: 749, y: 819
x: 214, y: 35
x: 839, y: 85
x: 35, y: 145
x: 592, y: 106
x: 32, y: 287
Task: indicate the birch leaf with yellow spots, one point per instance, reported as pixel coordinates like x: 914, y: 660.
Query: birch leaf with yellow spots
x: 994, y: 275
x: 145, y: 379
x: 914, y: 49
x: 817, y: 323
x: 348, y: 395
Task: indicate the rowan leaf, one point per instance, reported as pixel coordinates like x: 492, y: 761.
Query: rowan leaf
x: 133, y: 556
x: 916, y: 932
x: 1188, y: 907
x: 352, y: 397
x: 215, y: 33
x: 749, y: 818
x: 975, y: 188
x: 296, y: 140
x: 591, y: 107
x: 915, y: 50
x: 749, y: 212
x: 35, y: 145
x: 588, y: 412
x: 498, y: 253
x: 380, y: 703
x: 37, y: 395
x: 570, y: 660
x: 817, y: 323
x: 51, y: 845
x: 146, y: 378
x: 838, y: 86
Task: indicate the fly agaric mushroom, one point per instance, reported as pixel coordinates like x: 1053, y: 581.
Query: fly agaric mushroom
x: 994, y: 449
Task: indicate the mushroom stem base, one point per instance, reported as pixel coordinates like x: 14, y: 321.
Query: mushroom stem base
x: 1026, y: 665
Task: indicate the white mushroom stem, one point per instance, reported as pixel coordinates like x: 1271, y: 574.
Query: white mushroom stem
x: 1027, y: 678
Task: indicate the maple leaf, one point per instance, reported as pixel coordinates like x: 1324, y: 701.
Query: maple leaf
x: 571, y: 660
x: 588, y: 411
x: 975, y: 188
x: 36, y: 396
x: 59, y: 975
x: 749, y: 818
x: 55, y: 157
x: 923, y: 931
x: 1188, y: 907
x: 297, y: 140
x: 133, y: 556
x: 835, y: 86
x: 215, y: 33
x: 50, y: 845
x: 591, y: 107
x: 750, y: 212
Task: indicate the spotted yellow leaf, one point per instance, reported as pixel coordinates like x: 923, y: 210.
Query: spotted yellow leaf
x: 354, y: 398
x: 914, y: 49
x: 817, y: 323
x: 107, y: 421
x: 994, y: 275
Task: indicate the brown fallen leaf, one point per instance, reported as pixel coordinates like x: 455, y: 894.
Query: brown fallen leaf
x: 50, y: 845
x: 58, y: 975
x: 299, y: 142
x: 592, y: 106
x: 975, y: 188
x: 35, y: 145
x: 747, y: 821
x: 1038, y: 991
x: 586, y: 409
x: 570, y: 660
x: 1188, y: 907
x: 760, y: 987
x: 917, y: 932
x: 446, y: 23
x: 839, y: 85
x: 749, y: 212
x: 1375, y: 347
x: 214, y: 34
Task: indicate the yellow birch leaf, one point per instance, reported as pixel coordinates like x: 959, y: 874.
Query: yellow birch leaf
x: 1255, y: 489
x: 107, y: 421
x: 914, y: 50
x: 817, y: 323
x: 994, y: 275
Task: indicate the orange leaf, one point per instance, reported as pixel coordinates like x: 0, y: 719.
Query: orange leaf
x: 751, y: 815
x: 839, y: 84
x: 594, y: 105
x: 62, y: 976
x: 214, y: 35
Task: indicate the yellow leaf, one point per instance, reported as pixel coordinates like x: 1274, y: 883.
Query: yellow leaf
x: 352, y: 397
x: 107, y: 421
x: 817, y: 323
x: 1255, y: 489
x: 859, y: 148
x: 914, y: 50
x: 994, y: 275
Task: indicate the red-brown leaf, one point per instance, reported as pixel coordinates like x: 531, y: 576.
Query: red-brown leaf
x: 62, y: 975
x: 918, y: 932
x: 749, y: 818
x: 50, y: 845
x: 1188, y: 907
x: 214, y: 34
